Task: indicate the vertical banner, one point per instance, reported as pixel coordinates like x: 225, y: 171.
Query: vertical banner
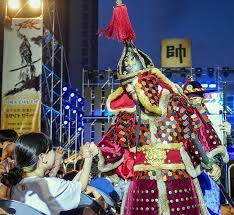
x: 213, y: 102
x: 176, y: 53
x: 22, y: 63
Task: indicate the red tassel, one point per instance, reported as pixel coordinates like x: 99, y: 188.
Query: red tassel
x: 120, y: 26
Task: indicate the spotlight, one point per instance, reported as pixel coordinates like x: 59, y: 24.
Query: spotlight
x: 65, y: 88
x: 35, y: 4
x: 74, y: 111
x: 79, y: 99
x: 65, y: 122
x: 24, y: 8
x: 72, y: 95
x: 13, y: 4
x: 204, y: 85
x: 81, y: 115
x: 67, y: 106
x: 212, y: 85
x: 79, y: 129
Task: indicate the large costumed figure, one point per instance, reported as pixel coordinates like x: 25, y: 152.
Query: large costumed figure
x: 150, y: 142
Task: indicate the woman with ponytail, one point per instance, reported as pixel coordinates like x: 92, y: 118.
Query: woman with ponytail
x: 33, y: 157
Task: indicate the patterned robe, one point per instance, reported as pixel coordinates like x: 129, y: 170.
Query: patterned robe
x: 163, y: 168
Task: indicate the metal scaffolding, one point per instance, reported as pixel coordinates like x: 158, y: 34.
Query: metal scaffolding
x: 98, y: 84
x: 55, y: 76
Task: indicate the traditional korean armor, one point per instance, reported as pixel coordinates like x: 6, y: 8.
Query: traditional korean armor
x: 164, y: 165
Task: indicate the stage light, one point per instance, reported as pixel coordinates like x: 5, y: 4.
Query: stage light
x: 65, y: 122
x: 67, y: 107
x: 79, y: 99
x: 13, y: 4
x: 24, y: 8
x: 212, y: 85
x: 204, y: 85
x: 35, y: 4
x: 72, y: 95
x: 79, y: 129
x: 81, y: 115
x: 74, y: 111
x: 65, y: 88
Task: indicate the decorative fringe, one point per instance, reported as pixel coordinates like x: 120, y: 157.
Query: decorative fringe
x: 102, y: 167
x: 118, y: 92
x: 120, y: 26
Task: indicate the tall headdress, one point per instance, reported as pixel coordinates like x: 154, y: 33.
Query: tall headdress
x: 132, y: 60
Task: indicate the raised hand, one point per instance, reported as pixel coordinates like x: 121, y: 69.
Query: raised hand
x: 226, y: 126
x: 94, y: 149
x: 85, y: 150
x: 215, y: 172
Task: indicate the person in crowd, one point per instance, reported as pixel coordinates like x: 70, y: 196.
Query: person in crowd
x: 33, y: 156
x: 196, y: 94
x: 103, y: 189
x: 7, y: 141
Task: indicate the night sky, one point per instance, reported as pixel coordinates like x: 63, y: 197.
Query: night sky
x: 209, y: 23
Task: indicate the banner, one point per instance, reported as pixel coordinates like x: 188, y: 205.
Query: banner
x: 213, y: 102
x: 176, y: 53
x: 22, y: 63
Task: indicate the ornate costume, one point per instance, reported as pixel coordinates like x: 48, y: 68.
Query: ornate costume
x: 209, y: 188
x: 150, y: 141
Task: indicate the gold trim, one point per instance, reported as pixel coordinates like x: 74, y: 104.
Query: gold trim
x: 142, y: 167
x: 171, y: 146
x: 163, y: 203
x: 119, y: 91
x: 159, y: 74
x: 145, y: 101
x: 195, y: 90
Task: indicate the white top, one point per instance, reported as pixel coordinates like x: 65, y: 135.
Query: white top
x: 49, y: 195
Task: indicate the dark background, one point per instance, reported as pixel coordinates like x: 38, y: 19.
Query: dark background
x: 210, y: 25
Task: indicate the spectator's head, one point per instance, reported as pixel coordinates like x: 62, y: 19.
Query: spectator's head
x: 8, y: 135
x: 33, y: 153
x: 7, y: 138
x: 70, y: 175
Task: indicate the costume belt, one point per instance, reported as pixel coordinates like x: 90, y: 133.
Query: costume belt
x: 159, y: 156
